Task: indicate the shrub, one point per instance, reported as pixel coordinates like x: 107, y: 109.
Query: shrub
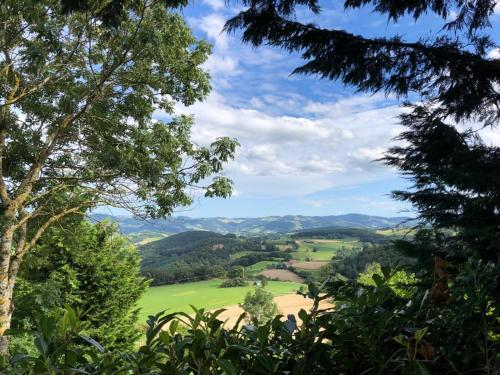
x: 231, y: 283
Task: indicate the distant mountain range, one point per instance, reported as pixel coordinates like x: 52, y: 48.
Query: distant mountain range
x: 258, y: 225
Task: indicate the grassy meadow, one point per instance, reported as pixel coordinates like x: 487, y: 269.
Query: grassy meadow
x: 325, y: 249
x: 206, y: 294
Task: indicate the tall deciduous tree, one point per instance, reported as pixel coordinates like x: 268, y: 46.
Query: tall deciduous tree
x: 77, y: 95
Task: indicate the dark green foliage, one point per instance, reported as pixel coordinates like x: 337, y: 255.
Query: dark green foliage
x: 332, y: 233
x: 250, y: 259
x: 89, y: 267
x: 371, y: 330
x: 350, y: 263
x: 194, y: 248
x: 456, y: 181
x: 198, y: 255
x: 234, y: 282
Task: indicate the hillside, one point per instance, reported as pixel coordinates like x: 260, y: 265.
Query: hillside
x: 252, y: 226
x: 201, y: 254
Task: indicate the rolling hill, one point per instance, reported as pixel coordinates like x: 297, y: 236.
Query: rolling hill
x: 200, y: 254
x: 253, y: 226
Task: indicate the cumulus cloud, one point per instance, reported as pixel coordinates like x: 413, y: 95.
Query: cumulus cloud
x: 215, y: 4
x: 326, y: 147
x: 212, y: 25
x: 494, y: 53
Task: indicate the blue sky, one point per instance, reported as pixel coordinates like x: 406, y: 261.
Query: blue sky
x: 308, y: 145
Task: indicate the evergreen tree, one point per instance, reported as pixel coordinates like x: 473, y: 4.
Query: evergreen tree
x: 90, y: 268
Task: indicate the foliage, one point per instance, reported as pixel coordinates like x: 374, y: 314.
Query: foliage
x: 371, y: 330
x: 399, y: 281
x: 236, y: 272
x: 363, y: 235
x: 198, y: 255
x: 235, y: 282
x: 456, y: 179
x: 350, y: 263
x: 89, y: 267
x: 259, y: 306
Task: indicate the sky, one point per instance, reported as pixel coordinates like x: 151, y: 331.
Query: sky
x: 308, y: 146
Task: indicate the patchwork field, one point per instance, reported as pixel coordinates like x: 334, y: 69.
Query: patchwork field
x: 206, y: 294
x: 321, y: 250
x: 259, y: 266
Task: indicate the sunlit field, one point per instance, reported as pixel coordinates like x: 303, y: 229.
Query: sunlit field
x: 206, y: 294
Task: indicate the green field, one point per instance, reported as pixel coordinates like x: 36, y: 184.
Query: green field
x: 260, y: 266
x: 142, y: 238
x: 207, y: 294
x: 240, y: 254
x: 325, y: 250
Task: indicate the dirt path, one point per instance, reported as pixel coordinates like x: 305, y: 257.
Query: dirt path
x: 287, y: 304
x: 283, y: 275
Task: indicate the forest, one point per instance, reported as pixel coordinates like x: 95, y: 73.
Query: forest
x: 94, y: 99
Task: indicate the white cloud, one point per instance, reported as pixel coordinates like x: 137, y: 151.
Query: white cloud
x: 212, y: 25
x: 325, y: 148
x: 494, y: 53
x: 215, y: 4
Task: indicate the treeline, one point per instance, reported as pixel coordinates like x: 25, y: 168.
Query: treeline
x: 350, y: 263
x: 171, y: 275
x: 364, y: 235
x: 248, y: 260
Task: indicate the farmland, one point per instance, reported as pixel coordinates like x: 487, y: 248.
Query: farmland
x: 206, y: 294
x: 322, y: 250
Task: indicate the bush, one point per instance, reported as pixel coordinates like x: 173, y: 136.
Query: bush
x: 231, y: 283
x: 373, y: 330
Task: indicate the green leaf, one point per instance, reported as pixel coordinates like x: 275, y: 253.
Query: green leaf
x: 227, y: 367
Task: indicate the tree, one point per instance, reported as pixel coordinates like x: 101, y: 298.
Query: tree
x: 236, y: 272
x: 260, y: 306
x: 77, y: 96
x: 451, y: 68
x: 89, y: 267
x: 456, y: 183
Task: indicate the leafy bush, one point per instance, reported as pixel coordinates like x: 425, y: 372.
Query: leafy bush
x: 231, y: 283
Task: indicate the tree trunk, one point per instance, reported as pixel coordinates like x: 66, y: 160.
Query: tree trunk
x: 6, y: 287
